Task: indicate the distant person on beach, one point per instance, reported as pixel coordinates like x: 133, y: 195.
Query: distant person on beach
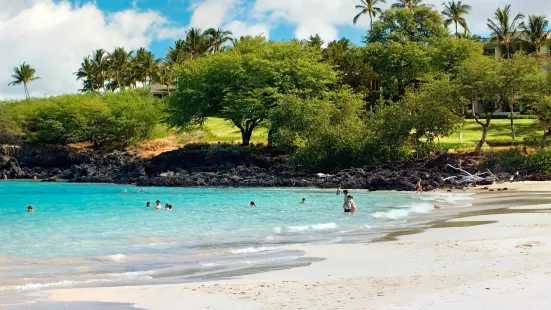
x: 5, y: 177
x: 352, y: 204
x: 339, y: 189
x: 148, y: 204
x: 419, y: 186
x: 253, y: 205
x: 158, y: 205
x: 34, y: 177
x: 30, y: 209
x: 346, y: 203
x: 303, y: 201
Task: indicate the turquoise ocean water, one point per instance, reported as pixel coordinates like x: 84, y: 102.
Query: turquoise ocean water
x: 89, y: 234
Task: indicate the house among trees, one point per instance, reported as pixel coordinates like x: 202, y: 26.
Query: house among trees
x: 161, y: 91
x: 520, y: 43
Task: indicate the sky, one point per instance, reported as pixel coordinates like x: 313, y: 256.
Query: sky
x: 54, y: 35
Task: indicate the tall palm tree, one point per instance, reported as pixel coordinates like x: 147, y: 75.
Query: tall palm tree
x: 454, y: 12
x: 88, y: 73
x: 146, y: 66
x: 196, y: 43
x: 119, y: 65
x: 409, y: 4
x: 217, y: 38
x: 368, y: 7
x: 24, y: 74
x: 165, y: 76
x: 101, y: 66
x: 176, y: 54
x: 504, y: 29
x: 536, y: 30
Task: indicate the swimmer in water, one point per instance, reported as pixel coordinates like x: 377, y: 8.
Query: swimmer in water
x: 253, y: 205
x: 158, y: 205
x: 346, y: 202
x: 30, y: 209
x: 148, y: 204
x: 352, y: 204
x: 168, y: 207
x: 303, y: 201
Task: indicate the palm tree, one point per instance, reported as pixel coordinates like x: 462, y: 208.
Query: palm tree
x: 409, y: 4
x: 315, y: 42
x: 119, y: 65
x: 147, y: 66
x: 503, y: 28
x: 454, y: 12
x: 24, y: 74
x: 88, y: 73
x: 217, y: 38
x: 368, y: 7
x: 165, y: 76
x: 196, y: 43
x: 536, y: 30
x: 176, y: 54
x: 101, y: 66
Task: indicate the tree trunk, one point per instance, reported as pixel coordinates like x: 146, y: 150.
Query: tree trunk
x: 370, y: 23
x: 482, y: 139
x: 512, y: 123
x: 246, y: 136
x: 271, y: 133
x: 456, y: 33
x: 507, y: 50
x: 26, y: 90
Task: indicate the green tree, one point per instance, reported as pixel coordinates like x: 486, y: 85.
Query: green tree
x: 409, y: 4
x: 503, y: 28
x: 400, y: 65
x: 146, y: 66
x: 24, y: 74
x: 315, y: 41
x: 87, y: 72
x: 514, y: 75
x: 477, y: 79
x: 536, y: 30
x: 423, y: 24
x: 448, y: 54
x: 368, y: 7
x: 196, y: 43
x: 454, y: 12
x: 243, y: 84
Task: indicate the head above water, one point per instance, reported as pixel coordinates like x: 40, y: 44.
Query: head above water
x: 303, y: 199
x: 158, y: 202
x: 345, y: 192
x: 252, y: 204
x: 30, y: 209
x: 148, y: 204
x: 350, y: 197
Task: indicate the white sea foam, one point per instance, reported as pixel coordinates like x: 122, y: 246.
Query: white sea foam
x: 396, y: 214
x: 248, y: 262
x: 36, y: 286
x: 252, y: 250
x: 325, y: 226
x: 447, y: 197
x: 269, y: 238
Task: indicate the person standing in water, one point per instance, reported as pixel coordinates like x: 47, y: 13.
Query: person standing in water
x: 148, y: 204
x: 158, y: 205
x: 352, y: 204
x: 339, y: 189
x: 303, y: 201
x: 346, y: 203
x: 30, y: 209
x: 419, y: 186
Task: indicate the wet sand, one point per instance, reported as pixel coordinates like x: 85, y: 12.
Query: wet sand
x: 493, y: 255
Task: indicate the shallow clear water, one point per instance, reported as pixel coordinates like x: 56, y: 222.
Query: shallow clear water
x: 89, y: 234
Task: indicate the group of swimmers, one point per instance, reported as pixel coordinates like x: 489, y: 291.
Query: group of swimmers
x: 158, y: 206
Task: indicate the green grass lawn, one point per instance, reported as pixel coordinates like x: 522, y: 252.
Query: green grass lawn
x: 217, y: 129
x: 224, y: 131
x: 499, y: 130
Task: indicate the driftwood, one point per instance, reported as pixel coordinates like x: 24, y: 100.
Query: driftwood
x: 466, y: 178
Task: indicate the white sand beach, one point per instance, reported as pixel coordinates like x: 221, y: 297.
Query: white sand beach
x: 500, y: 265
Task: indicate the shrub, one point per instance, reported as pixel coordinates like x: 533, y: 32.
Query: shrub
x: 508, y: 161
x: 541, y: 161
x: 504, y: 142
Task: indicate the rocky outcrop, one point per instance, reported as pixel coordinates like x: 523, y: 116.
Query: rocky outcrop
x: 228, y: 167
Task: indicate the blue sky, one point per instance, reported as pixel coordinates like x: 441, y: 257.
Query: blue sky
x: 179, y: 13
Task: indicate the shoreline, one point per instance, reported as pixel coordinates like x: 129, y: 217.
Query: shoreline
x: 496, y: 251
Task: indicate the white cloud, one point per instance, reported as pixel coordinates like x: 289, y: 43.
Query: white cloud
x: 53, y: 37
